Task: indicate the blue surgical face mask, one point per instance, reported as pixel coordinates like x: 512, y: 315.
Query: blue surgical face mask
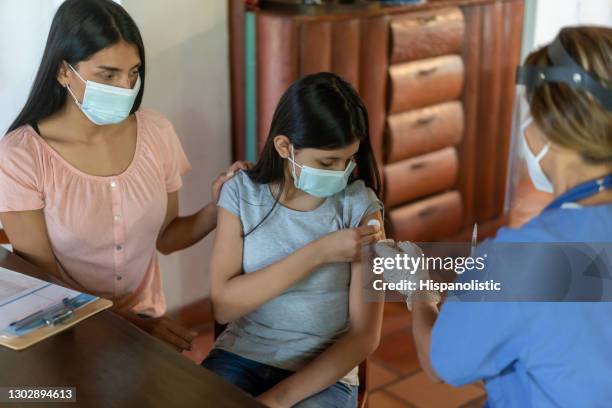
x: 537, y: 175
x: 319, y: 182
x: 105, y: 104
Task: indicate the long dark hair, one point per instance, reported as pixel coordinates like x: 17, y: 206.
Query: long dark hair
x: 320, y: 111
x: 80, y: 28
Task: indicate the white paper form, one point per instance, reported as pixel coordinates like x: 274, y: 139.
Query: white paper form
x: 22, y: 295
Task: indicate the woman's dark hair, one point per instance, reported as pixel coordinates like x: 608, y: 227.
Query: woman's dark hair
x: 80, y: 28
x: 320, y: 111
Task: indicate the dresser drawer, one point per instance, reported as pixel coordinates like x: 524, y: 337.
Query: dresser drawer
x: 419, y: 176
x: 426, y: 34
x: 425, y: 82
x: 428, y: 220
x: 423, y: 130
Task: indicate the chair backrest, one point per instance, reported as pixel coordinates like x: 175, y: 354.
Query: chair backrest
x: 3, y: 238
x: 218, y: 329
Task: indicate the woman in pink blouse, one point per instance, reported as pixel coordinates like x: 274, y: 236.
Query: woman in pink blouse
x: 88, y: 180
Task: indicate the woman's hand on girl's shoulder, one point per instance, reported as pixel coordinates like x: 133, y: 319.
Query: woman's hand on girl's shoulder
x: 226, y: 175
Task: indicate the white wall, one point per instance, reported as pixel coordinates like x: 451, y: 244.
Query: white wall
x: 551, y: 15
x: 24, y: 26
x: 186, y: 43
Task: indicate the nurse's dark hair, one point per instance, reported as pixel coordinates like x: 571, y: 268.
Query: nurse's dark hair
x: 80, y: 28
x: 321, y: 111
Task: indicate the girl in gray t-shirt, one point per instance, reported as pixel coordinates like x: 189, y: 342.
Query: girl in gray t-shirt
x: 285, y: 270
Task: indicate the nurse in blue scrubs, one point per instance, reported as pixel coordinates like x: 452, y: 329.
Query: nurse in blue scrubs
x: 543, y: 354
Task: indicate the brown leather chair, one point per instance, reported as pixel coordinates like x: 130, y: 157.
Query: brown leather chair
x: 362, y: 399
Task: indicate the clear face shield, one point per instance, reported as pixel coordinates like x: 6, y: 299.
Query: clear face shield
x: 528, y: 187
x: 518, y: 182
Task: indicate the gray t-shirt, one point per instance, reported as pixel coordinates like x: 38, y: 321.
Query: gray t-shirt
x: 295, y: 327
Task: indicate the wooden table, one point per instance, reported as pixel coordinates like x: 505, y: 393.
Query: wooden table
x: 112, y: 363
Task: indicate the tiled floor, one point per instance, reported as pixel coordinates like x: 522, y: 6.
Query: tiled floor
x: 395, y: 379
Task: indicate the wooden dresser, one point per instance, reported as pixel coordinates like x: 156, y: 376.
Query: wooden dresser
x: 438, y: 82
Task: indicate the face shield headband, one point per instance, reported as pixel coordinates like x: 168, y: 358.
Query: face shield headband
x: 564, y: 70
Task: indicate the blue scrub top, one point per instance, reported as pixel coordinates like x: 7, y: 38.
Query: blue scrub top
x: 533, y: 354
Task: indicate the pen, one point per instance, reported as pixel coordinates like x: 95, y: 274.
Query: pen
x: 26, y: 319
x: 37, y: 317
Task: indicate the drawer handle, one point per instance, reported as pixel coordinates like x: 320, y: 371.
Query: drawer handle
x: 426, y: 20
x: 425, y: 120
x: 426, y: 71
x: 418, y: 165
x: 427, y: 212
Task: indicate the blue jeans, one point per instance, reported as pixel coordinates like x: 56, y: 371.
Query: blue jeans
x: 256, y: 378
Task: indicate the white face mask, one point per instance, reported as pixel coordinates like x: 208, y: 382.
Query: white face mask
x: 105, y: 104
x: 537, y: 175
x: 319, y: 182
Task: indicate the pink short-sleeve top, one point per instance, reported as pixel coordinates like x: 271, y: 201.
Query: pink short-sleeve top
x: 103, y: 230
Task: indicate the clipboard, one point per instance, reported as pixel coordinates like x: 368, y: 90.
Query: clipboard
x: 38, y: 310
x: 21, y: 342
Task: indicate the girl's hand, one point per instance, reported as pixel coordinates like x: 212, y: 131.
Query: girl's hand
x: 345, y: 245
x: 223, y: 177
x: 269, y: 400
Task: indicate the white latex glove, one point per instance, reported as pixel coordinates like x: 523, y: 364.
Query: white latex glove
x: 389, y: 249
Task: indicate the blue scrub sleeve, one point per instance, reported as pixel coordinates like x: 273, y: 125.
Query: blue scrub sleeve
x: 476, y: 340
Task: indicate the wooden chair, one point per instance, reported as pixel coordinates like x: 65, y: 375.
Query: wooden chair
x: 3, y: 238
x: 362, y: 399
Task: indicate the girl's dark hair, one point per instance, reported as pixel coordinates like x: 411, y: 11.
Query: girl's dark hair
x: 320, y: 111
x: 80, y: 28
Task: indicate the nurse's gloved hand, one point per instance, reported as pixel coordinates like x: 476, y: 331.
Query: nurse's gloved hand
x: 388, y: 248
